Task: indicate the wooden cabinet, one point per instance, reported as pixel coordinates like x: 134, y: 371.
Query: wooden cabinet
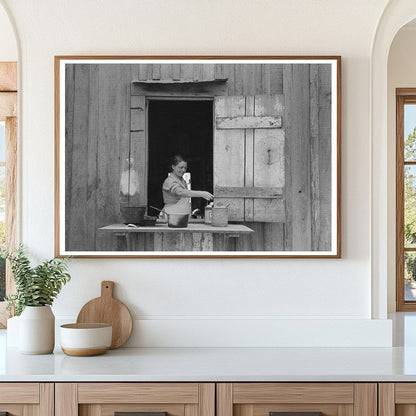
x: 27, y: 399
x: 208, y: 399
x: 106, y: 399
x: 397, y: 399
x: 297, y: 399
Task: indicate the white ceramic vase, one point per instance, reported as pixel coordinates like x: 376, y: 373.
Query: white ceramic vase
x: 37, y: 330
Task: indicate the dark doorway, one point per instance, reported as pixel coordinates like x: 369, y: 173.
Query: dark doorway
x: 183, y: 127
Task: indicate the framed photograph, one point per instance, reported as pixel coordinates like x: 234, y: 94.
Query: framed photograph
x: 198, y: 156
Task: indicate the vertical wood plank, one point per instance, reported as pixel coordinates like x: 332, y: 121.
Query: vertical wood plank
x: 166, y: 72
x: 287, y: 193
x: 297, y: 195
x: 365, y: 399
x: 187, y: 72
x: 219, y: 71
x: 229, y: 73
x: 143, y: 72
x: 400, y: 305
x: 274, y: 237
x: 224, y: 399
x: 66, y: 399
x: 315, y: 139
x: 158, y: 242
x: 256, y: 241
x: 208, y: 72
x: 11, y: 196
x: 47, y: 399
x: 386, y: 399
x: 124, y: 147
x: 75, y: 201
x: 276, y: 79
x: 176, y: 72
x: 247, y: 74
x: 198, y: 72
x: 325, y: 153
x: 149, y: 242
x: 249, y: 161
x: 92, y: 179
x: 69, y: 137
x: 207, y: 399
x: 196, y: 241
x: 207, y: 242
x: 269, y: 159
x: 176, y: 241
x: 265, y: 79
x: 254, y: 80
x: 239, y: 79
x: 229, y: 154
x: 202, y: 242
x: 156, y: 71
x: 112, y: 112
x: 138, y: 158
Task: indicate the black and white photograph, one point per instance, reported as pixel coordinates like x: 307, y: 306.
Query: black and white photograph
x: 197, y: 156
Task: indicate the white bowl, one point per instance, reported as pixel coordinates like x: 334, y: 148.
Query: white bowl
x: 85, y: 339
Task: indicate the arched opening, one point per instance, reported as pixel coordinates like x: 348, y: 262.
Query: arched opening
x: 383, y: 239
x: 401, y: 102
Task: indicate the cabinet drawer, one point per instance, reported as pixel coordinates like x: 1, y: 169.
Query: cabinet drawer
x: 296, y: 399
x: 21, y: 399
x: 146, y: 399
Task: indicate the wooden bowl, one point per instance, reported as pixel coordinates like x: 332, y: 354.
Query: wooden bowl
x: 84, y: 340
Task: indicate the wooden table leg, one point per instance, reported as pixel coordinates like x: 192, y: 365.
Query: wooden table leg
x: 121, y: 241
x: 227, y: 241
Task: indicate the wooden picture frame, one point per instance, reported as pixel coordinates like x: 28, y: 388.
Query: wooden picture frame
x: 262, y: 134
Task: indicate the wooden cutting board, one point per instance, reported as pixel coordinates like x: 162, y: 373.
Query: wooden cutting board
x: 109, y: 310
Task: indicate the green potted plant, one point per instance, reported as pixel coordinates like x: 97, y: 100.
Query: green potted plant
x: 36, y: 289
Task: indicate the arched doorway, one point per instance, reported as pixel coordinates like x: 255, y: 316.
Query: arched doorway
x: 395, y: 16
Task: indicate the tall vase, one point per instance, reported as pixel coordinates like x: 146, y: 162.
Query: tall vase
x: 37, y: 330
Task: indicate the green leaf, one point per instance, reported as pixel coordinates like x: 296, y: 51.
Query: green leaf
x: 35, y: 286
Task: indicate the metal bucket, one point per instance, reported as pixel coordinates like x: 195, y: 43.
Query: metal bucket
x: 133, y: 215
x: 178, y: 220
x: 219, y: 216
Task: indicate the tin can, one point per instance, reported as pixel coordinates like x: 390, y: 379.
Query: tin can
x: 208, y: 214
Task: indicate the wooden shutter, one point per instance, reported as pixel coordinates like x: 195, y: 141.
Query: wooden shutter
x: 135, y: 154
x: 249, y: 165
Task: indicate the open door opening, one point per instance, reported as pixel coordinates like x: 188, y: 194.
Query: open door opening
x: 180, y: 127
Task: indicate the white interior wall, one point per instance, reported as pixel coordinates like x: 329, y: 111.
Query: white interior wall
x: 8, y: 46
x: 401, y: 74
x: 211, y: 301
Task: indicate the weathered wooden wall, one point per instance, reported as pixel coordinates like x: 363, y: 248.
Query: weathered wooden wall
x: 97, y: 135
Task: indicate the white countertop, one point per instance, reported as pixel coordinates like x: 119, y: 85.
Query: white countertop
x: 222, y: 364
x: 215, y: 364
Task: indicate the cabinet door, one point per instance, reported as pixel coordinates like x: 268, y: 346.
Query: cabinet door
x: 297, y: 399
x: 397, y: 399
x: 26, y: 399
x: 142, y: 399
